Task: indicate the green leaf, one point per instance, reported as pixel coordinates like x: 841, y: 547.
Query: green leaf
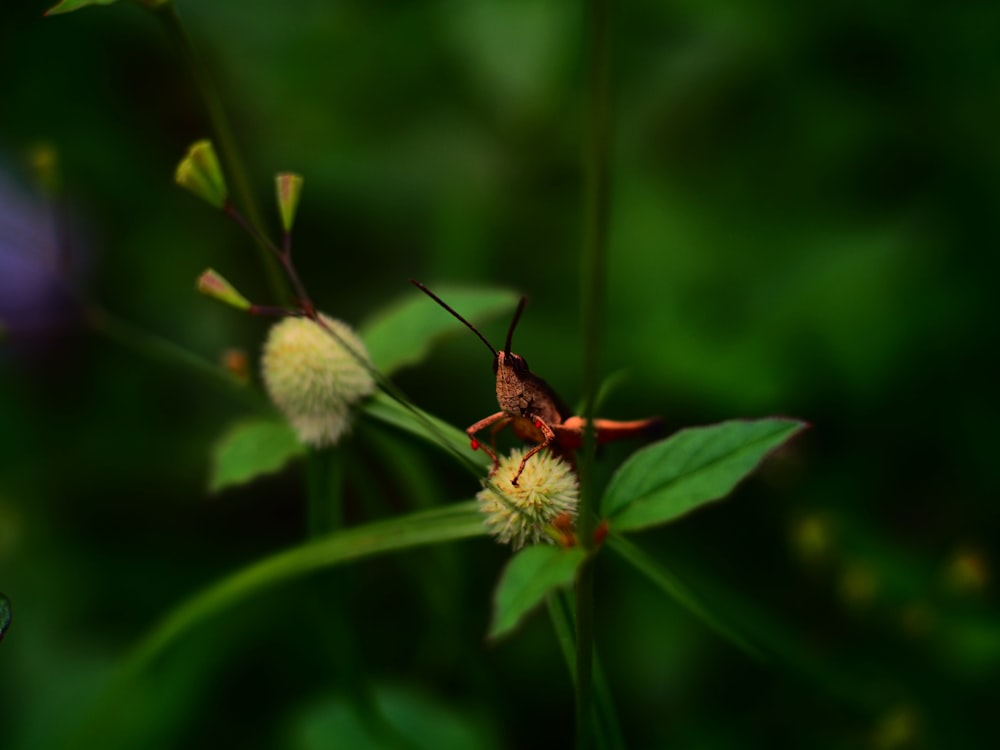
x: 666, y: 581
x: 420, y: 423
x: 252, y: 448
x: 403, y: 717
x: 692, y: 467
x: 402, y: 333
x: 456, y: 521
x: 449, y: 523
x: 529, y: 576
x: 67, y: 6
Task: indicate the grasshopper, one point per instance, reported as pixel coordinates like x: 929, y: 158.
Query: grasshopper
x: 531, y: 407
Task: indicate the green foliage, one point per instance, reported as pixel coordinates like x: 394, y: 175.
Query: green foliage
x: 250, y: 449
x: 450, y: 523
x: 406, y: 717
x: 417, y: 422
x: 695, y: 466
x: 670, y: 585
x: 786, y: 237
x: 530, y: 576
x: 66, y: 6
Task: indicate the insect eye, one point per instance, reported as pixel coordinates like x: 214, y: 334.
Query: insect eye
x: 522, y: 364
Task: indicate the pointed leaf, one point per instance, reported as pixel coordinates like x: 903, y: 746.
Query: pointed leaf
x: 422, y: 424
x: 402, y: 333
x: 449, y: 523
x: 692, y: 467
x: 250, y: 449
x: 529, y: 576
x: 70, y: 5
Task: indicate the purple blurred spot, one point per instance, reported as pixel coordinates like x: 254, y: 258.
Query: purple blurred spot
x: 34, y: 294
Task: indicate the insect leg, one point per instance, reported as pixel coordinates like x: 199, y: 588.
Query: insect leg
x: 549, y: 437
x: 500, y: 417
x: 570, y: 432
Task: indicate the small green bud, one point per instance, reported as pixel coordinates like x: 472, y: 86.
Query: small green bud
x: 312, y: 377
x: 199, y: 173
x: 289, y: 189
x: 212, y: 284
x: 546, y: 493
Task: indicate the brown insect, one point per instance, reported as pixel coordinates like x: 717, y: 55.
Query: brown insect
x: 529, y: 405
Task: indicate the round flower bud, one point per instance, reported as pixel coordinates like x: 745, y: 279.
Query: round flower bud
x: 547, y: 490
x: 313, y: 378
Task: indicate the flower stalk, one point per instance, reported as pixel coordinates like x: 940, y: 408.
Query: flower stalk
x: 596, y: 159
x: 222, y: 135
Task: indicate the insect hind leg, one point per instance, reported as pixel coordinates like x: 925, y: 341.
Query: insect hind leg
x: 549, y: 437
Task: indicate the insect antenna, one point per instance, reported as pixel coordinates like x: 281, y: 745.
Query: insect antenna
x: 449, y: 308
x: 513, y: 323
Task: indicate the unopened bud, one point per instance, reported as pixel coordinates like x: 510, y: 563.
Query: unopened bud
x: 212, y: 284
x: 199, y: 172
x: 289, y: 188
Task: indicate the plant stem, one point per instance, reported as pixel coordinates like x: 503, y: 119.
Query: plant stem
x: 159, y: 349
x: 324, y: 489
x: 222, y: 135
x: 593, y: 263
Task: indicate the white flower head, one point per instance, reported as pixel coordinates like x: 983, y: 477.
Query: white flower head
x: 313, y: 378
x: 526, y: 513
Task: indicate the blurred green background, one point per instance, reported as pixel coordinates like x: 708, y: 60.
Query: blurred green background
x: 804, y: 223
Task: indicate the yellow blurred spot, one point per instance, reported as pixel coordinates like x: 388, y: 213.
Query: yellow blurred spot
x: 859, y: 585
x: 10, y: 530
x: 917, y: 619
x: 43, y: 160
x: 967, y: 572
x: 812, y: 538
x: 897, y: 729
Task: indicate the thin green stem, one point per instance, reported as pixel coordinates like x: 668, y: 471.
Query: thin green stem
x: 222, y: 135
x: 159, y: 349
x: 607, y: 732
x: 597, y: 113
x: 324, y: 489
x: 325, y: 476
